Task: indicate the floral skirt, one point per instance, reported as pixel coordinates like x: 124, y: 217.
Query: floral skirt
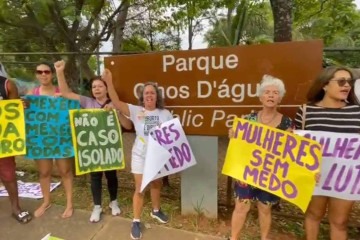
x: 247, y: 193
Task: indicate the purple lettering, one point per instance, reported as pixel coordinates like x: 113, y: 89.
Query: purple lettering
x: 290, y: 144
x: 329, y: 177
x: 325, y: 143
x: 185, y: 149
x: 162, y: 136
x: 251, y: 173
x: 340, y: 147
x: 177, y: 133
x: 293, y: 190
x: 284, y: 166
x: 268, y: 162
x: 252, y: 135
x: 240, y: 127
x: 179, y: 156
x: 263, y: 177
x: 257, y: 155
x: 268, y: 139
x: 350, y: 148
x: 316, y: 164
x: 357, y: 181
x: 274, y: 183
x: 301, y: 152
x: 277, y: 143
x: 338, y: 186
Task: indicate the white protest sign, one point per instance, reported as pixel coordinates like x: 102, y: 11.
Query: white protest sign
x: 340, y: 169
x: 168, y: 152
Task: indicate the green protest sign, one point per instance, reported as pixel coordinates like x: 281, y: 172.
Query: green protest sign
x: 97, y: 140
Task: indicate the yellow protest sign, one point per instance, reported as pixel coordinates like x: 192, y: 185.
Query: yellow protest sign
x: 97, y: 140
x: 273, y: 160
x: 12, y: 128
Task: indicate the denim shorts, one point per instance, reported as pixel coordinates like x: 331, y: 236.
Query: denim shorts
x: 245, y: 193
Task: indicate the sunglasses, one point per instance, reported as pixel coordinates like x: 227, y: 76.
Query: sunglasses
x: 40, y: 72
x: 342, y: 81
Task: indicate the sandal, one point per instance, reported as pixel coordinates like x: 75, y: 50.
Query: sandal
x: 22, y: 217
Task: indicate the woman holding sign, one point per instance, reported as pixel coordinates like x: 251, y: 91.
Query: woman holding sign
x: 99, y: 99
x: 271, y: 91
x: 332, y: 107
x: 45, y: 74
x: 149, y: 114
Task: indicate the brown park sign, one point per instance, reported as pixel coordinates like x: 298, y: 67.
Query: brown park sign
x: 207, y: 88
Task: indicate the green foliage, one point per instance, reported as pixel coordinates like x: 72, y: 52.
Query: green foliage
x: 336, y: 22
x: 246, y: 22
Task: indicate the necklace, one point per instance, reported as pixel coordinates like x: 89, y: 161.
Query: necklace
x: 271, y: 119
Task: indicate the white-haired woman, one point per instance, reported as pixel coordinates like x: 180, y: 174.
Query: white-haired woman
x: 270, y: 93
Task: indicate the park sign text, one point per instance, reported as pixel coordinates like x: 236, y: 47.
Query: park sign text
x: 207, y: 88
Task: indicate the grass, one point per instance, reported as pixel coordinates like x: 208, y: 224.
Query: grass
x: 282, y: 228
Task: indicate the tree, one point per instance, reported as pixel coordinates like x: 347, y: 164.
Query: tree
x: 246, y: 22
x: 190, y: 14
x: 336, y: 22
x: 58, y: 26
x: 282, y: 13
x: 150, y: 21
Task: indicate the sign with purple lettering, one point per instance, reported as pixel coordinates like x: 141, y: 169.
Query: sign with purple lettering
x: 340, y: 170
x: 273, y: 160
x: 168, y: 152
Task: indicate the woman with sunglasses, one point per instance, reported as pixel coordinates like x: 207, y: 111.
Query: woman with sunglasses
x: 149, y: 113
x: 44, y: 74
x: 99, y: 99
x: 332, y: 107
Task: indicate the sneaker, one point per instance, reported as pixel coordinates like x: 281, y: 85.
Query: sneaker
x: 95, y: 215
x: 135, y: 231
x: 114, y: 206
x: 160, y: 216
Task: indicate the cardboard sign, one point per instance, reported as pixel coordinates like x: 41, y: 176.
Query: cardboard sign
x: 273, y: 160
x: 12, y: 128
x: 340, y: 170
x: 97, y: 140
x: 207, y: 88
x: 48, y: 133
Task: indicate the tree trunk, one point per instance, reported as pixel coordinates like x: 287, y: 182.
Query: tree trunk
x: 282, y: 20
x: 120, y: 25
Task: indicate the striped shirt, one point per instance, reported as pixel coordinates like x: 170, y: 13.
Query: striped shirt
x: 341, y: 120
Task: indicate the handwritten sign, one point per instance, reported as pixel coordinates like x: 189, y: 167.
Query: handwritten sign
x: 340, y: 170
x: 273, y: 160
x: 97, y: 140
x: 12, y: 128
x: 168, y: 152
x: 48, y: 133
x: 29, y: 189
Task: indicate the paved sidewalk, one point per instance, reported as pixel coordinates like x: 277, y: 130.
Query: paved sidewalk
x: 78, y: 227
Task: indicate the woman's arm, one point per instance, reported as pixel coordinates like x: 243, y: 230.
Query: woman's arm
x: 124, y: 121
x: 120, y: 105
x: 64, y: 88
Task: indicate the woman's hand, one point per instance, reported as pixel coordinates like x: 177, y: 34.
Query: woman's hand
x: 231, y: 133
x: 59, y: 66
x: 241, y: 184
x: 107, y: 76
x: 108, y: 107
x: 317, y: 177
